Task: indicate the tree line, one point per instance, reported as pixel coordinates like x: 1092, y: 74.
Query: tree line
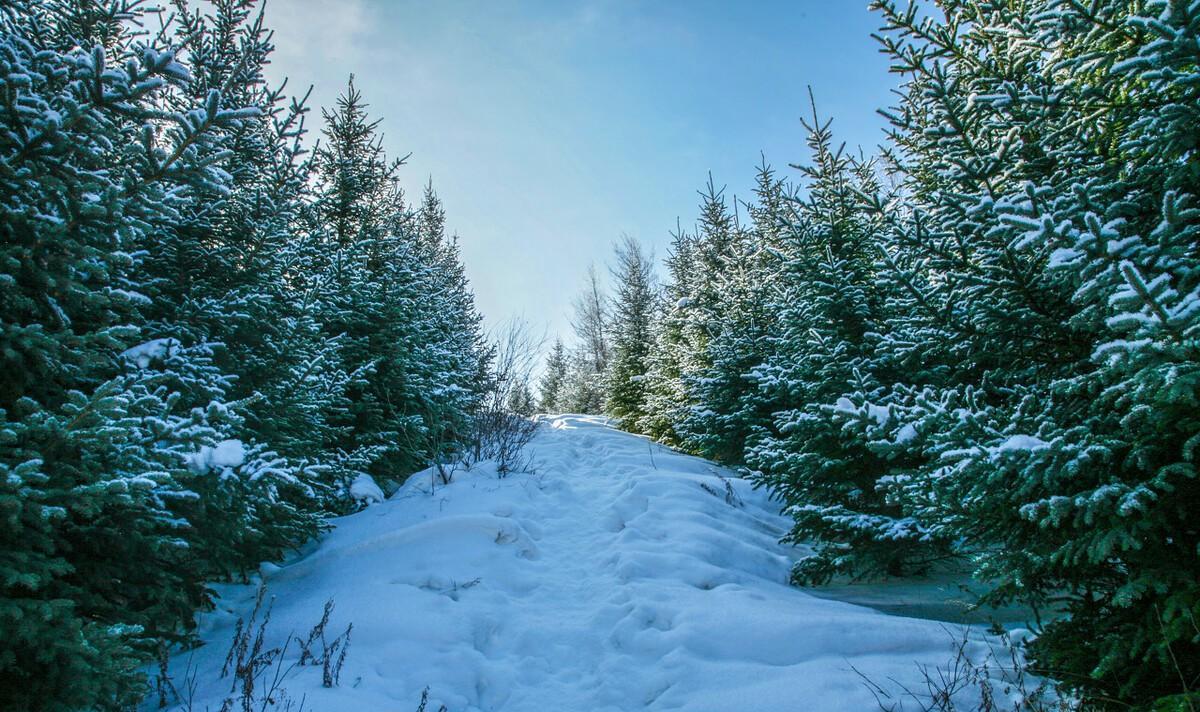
x: 979, y: 344
x: 212, y: 334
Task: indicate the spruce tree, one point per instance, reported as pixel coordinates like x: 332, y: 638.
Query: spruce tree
x: 1046, y: 273
x: 820, y: 455
x: 551, y: 395
x: 631, y: 312
x: 398, y: 304
x: 690, y: 319
x: 733, y: 405
x: 665, y: 397
x: 109, y: 423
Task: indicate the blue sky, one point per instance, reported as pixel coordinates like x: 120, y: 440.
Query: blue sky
x: 551, y: 128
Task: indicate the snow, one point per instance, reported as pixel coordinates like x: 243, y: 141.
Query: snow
x: 364, y: 490
x: 877, y: 413
x: 1016, y: 443
x: 1063, y: 256
x: 225, y: 455
x: 609, y: 579
x: 143, y: 355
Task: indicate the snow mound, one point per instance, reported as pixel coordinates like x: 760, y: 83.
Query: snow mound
x: 620, y: 576
x: 364, y: 490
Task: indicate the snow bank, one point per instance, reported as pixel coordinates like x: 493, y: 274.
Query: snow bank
x: 610, y: 580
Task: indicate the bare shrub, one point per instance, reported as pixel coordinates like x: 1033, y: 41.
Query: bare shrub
x: 257, y: 672
x: 730, y: 495
x: 497, y: 432
x: 333, y: 652
x: 422, y: 707
x: 248, y: 659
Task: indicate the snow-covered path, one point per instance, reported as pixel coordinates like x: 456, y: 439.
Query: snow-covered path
x: 620, y: 576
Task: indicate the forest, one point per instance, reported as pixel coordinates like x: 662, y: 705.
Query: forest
x: 979, y: 344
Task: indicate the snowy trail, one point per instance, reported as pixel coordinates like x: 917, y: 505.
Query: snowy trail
x: 609, y: 580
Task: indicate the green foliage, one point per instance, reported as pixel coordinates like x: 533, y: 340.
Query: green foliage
x: 397, y: 303
x: 632, y: 311
x: 551, y: 393
x: 1047, y: 274
x: 181, y: 346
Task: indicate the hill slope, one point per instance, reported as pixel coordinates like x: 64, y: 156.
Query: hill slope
x: 620, y: 576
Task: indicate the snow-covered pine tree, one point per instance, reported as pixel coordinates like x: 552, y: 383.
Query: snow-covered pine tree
x: 521, y: 401
x: 630, y: 317
x: 732, y: 406
x: 240, y: 274
x: 215, y: 286
x: 689, y: 321
x: 665, y: 397
x: 553, y: 382
x: 822, y: 380
x: 106, y: 539
x: 1048, y: 275
x: 372, y: 278
x: 458, y: 352
x: 717, y: 237
x: 399, y: 305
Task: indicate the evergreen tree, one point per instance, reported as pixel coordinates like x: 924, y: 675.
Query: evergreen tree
x: 373, y: 276
x: 108, y: 530
x: 665, y: 397
x: 551, y: 395
x: 457, y: 349
x: 629, y: 325
x: 520, y: 400
x: 690, y: 321
x: 399, y: 306
x: 1046, y: 278
x: 733, y: 406
x: 240, y: 274
x: 820, y: 455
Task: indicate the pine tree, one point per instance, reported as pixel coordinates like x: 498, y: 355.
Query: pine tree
x: 1046, y: 275
x: 108, y: 147
x: 457, y: 350
x: 551, y: 396
x: 827, y: 450
x: 399, y: 306
x: 252, y: 284
x: 629, y: 325
x: 370, y: 273
x: 520, y: 400
x: 733, y: 407
x: 665, y: 397
x: 690, y: 315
